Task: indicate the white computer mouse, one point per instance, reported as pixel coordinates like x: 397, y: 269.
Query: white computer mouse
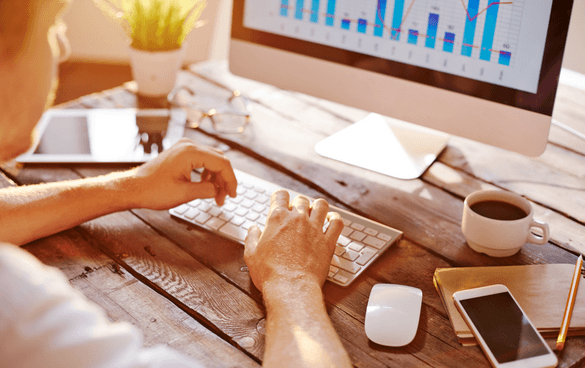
x: 393, y: 314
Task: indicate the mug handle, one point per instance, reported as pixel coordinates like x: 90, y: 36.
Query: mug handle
x: 537, y: 239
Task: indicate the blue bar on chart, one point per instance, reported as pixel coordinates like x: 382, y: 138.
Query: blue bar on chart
x: 412, y: 36
x: 504, y: 58
x: 432, y: 30
x: 397, y: 19
x: 315, y: 11
x: 470, y: 23
x: 330, y: 13
x: 489, y: 30
x: 299, y: 10
x: 345, y: 23
x: 362, y: 24
x: 448, y: 42
x: 380, y: 14
x: 284, y: 8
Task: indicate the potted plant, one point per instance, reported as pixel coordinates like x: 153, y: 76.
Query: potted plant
x: 156, y: 30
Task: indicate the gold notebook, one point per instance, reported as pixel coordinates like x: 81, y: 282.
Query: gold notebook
x: 541, y: 291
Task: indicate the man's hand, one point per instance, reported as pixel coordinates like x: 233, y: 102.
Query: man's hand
x: 165, y: 181
x: 293, y: 245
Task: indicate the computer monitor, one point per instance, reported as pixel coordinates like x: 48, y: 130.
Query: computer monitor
x: 486, y: 70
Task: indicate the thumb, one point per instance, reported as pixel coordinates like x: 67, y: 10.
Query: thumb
x: 251, y: 241
x: 202, y: 189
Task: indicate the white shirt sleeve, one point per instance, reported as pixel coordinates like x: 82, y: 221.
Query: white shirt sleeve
x: 45, y: 322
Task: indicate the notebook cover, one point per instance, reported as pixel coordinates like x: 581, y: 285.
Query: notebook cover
x: 541, y: 291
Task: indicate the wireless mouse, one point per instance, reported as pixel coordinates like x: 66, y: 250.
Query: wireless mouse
x: 393, y: 313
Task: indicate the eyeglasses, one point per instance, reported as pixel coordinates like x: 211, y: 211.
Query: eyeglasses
x: 233, y: 117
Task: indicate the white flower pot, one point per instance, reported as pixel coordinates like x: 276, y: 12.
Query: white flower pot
x: 156, y: 72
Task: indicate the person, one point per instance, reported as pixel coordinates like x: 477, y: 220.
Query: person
x: 44, y: 321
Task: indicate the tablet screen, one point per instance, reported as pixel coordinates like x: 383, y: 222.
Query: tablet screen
x: 65, y: 135
x: 105, y: 135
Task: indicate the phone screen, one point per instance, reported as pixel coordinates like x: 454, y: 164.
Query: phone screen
x: 503, y: 326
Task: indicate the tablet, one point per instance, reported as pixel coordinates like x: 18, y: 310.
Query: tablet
x: 104, y: 135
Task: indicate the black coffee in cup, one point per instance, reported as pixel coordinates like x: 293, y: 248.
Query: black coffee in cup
x: 498, y: 210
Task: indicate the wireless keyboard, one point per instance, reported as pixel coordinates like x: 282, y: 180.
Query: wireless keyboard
x: 359, y: 244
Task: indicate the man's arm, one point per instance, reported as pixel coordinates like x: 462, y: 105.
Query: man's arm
x: 289, y: 263
x: 31, y: 212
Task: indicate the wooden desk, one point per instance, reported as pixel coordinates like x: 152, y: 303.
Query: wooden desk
x: 191, y: 290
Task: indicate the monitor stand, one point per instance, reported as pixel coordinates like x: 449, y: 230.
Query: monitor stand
x: 388, y: 146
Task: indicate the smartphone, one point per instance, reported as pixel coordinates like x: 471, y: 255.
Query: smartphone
x: 502, y: 329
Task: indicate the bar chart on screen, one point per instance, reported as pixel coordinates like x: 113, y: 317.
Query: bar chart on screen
x: 480, y: 39
x: 487, y: 30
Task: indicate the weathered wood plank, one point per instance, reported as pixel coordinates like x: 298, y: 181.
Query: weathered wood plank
x: 188, y: 283
x: 124, y: 298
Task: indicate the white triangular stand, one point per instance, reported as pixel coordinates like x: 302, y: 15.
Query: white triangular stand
x: 384, y: 145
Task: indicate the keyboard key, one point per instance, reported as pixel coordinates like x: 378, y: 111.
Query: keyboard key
x: 191, y: 213
x: 204, y: 206
x: 237, y: 220
x: 237, y: 200
x: 258, y: 208
x: 247, y: 224
x: 202, y: 217
x: 241, y: 190
x: 343, y: 240
x: 338, y: 250
x: 234, y: 231
x: 357, y: 235
x: 358, y: 227
x: 226, y: 216
x: 215, y: 223
x: 262, y: 220
x: 250, y: 194
x: 346, y: 222
x: 195, y: 203
x: 384, y: 237
x: 370, y: 231
x: 259, y: 189
x: 241, y: 211
x: 262, y: 199
x: 366, y: 255
x: 344, y: 264
x: 355, y: 246
x: 181, y: 209
x: 252, y: 216
x: 248, y: 203
x: 215, y: 211
x: 374, y: 242
x: 342, y: 279
x: 346, y: 231
x: 228, y: 206
x: 351, y: 255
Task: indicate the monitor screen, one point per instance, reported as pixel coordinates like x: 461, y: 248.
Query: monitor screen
x: 452, y: 58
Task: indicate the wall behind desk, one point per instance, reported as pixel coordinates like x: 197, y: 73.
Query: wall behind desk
x: 95, y: 38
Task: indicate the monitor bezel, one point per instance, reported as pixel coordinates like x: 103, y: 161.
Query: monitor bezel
x: 540, y: 102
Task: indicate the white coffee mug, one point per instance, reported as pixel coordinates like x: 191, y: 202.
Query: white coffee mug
x: 498, y: 223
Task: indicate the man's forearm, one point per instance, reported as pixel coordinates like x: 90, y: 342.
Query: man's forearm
x: 299, y: 332
x: 31, y: 212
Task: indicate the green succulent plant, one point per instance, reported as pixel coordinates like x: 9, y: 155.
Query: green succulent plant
x: 155, y: 25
